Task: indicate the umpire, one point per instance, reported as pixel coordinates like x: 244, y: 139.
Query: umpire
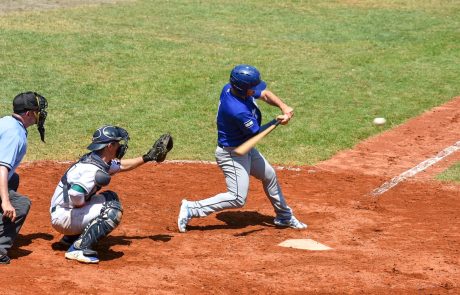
x: 29, y: 108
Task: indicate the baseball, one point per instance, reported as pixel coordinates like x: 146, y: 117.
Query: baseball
x: 379, y: 121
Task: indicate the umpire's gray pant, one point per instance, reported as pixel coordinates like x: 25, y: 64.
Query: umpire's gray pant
x: 9, y: 230
x: 237, y: 170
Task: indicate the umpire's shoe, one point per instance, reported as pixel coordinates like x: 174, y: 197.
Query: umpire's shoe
x: 4, y: 259
x: 184, y: 217
x: 82, y: 255
x: 290, y: 222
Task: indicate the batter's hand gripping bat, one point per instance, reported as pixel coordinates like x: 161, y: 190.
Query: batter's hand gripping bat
x: 251, y: 142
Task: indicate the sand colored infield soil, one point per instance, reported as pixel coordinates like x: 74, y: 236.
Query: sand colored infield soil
x: 405, y: 241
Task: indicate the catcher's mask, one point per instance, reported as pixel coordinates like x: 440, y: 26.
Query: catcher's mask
x: 244, y: 78
x: 32, y: 101
x: 107, y: 134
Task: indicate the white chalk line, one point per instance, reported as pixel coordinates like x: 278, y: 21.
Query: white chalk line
x: 413, y: 171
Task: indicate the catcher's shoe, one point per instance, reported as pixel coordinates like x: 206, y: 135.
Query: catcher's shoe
x: 4, y: 259
x: 68, y: 240
x: 82, y: 255
x: 184, y: 217
x: 290, y: 222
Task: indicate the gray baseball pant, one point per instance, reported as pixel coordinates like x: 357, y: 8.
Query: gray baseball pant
x: 9, y: 230
x: 237, y: 170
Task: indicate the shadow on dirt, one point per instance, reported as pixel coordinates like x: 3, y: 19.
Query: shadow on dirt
x: 238, y: 220
x: 103, y: 248
x: 161, y: 238
x: 25, y: 240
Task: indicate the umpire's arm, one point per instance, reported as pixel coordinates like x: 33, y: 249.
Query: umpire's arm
x: 7, y: 208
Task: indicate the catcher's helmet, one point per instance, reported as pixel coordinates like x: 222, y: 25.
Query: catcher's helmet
x: 107, y: 134
x: 245, y: 77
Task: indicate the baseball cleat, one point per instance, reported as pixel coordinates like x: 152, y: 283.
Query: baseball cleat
x: 292, y: 223
x: 4, y: 259
x: 82, y: 255
x: 184, y: 217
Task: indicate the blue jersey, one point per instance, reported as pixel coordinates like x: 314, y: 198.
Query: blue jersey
x: 238, y: 119
x: 13, y: 143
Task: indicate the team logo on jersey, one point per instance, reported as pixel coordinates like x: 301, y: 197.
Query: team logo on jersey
x: 248, y: 124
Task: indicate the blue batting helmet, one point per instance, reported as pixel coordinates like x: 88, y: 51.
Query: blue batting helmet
x: 245, y: 77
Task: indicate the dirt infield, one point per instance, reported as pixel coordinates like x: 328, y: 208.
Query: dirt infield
x: 405, y: 241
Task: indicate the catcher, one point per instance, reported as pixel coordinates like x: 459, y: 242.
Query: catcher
x: 82, y: 213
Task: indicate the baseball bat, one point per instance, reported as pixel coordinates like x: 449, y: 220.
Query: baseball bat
x: 251, y: 142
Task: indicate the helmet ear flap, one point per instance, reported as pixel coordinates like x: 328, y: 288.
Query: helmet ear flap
x: 237, y: 85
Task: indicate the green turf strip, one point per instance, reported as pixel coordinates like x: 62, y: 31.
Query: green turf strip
x: 451, y: 174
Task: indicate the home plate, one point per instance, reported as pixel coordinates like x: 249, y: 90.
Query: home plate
x: 304, y: 244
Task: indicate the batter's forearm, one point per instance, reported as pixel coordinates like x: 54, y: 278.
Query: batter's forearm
x: 270, y: 98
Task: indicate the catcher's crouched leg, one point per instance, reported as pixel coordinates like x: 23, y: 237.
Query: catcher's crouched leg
x: 99, y: 227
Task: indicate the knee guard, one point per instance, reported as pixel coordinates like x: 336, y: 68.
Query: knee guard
x: 110, y: 196
x: 101, y: 226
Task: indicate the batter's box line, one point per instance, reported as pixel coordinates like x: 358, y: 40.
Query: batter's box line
x: 413, y: 171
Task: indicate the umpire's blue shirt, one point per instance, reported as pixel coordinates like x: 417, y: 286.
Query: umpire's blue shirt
x: 13, y: 143
x: 238, y: 119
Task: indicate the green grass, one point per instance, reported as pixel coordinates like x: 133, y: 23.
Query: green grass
x: 156, y: 66
x: 451, y: 174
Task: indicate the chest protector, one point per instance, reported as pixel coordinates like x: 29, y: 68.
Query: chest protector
x: 102, y: 177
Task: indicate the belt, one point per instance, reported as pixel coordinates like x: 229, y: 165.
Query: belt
x: 224, y: 147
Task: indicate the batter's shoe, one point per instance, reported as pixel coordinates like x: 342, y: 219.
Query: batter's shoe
x: 4, y: 259
x: 292, y: 222
x: 184, y: 217
x: 68, y: 240
x: 82, y: 255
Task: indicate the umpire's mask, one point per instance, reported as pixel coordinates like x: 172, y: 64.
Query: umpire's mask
x: 42, y: 106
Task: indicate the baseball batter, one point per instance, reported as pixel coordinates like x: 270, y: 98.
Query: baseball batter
x: 238, y: 119
x: 82, y: 213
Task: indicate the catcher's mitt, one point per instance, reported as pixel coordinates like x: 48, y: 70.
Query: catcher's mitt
x: 160, y: 149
